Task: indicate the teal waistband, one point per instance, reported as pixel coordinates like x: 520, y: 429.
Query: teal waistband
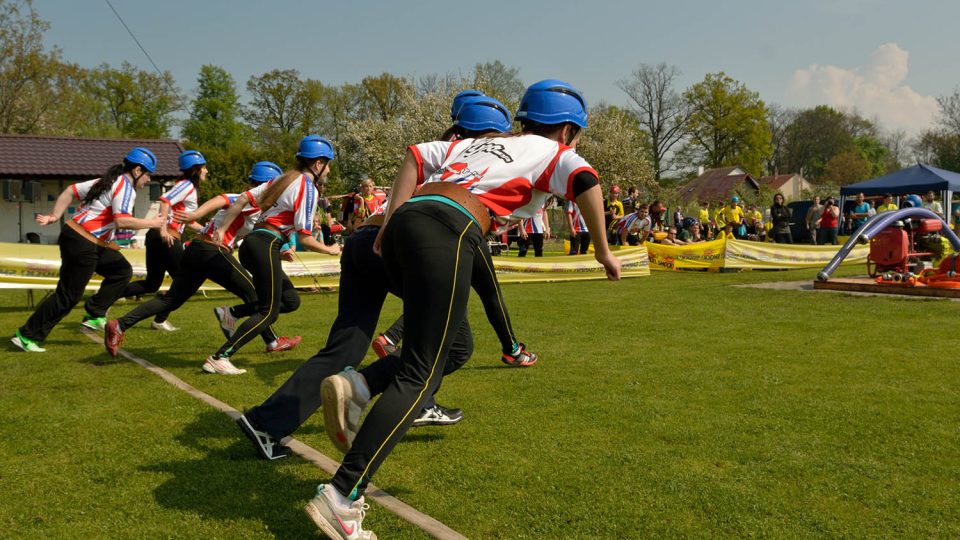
x: 446, y: 201
x: 273, y: 233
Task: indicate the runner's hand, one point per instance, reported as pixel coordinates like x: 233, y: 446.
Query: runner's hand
x: 611, y: 264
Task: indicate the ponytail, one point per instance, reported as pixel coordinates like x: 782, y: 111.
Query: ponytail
x: 280, y: 184
x: 106, y: 180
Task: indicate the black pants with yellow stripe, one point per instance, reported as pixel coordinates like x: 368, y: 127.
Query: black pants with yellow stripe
x: 161, y: 259
x: 363, y: 289
x: 201, y: 261
x: 429, y: 249
x: 260, y: 255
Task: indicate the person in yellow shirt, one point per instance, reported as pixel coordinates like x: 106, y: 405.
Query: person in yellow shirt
x: 704, y: 217
x: 754, y: 220
x: 887, y: 205
x: 718, y: 219
x: 733, y: 218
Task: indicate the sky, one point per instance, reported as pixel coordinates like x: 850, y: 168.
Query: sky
x: 886, y: 59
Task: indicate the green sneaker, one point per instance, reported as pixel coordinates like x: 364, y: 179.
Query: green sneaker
x: 96, y: 324
x: 25, y: 344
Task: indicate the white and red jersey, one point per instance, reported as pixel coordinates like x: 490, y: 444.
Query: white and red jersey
x: 294, y: 210
x: 98, y: 216
x: 240, y: 226
x: 633, y: 223
x: 366, y: 207
x: 512, y: 176
x: 579, y: 224
x: 534, y: 225
x: 181, y: 197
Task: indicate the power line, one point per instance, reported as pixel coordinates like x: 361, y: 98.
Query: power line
x: 137, y: 41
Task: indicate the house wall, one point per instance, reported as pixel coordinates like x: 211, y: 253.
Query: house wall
x: 16, y: 217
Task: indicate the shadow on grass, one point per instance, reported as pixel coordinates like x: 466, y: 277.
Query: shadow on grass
x: 230, y: 484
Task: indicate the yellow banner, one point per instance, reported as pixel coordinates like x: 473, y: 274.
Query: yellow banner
x: 702, y: 255
x: 35, y: 266
x: 744, y: 254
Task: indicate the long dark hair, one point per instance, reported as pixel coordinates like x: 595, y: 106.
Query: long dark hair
x: 279, y: 185
x: 193, y: 175
x: 106, y: 180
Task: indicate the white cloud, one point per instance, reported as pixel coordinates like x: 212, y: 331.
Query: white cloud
x: 875, y: 90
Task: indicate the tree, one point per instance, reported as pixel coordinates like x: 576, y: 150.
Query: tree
x: 215, y: 112
x: 130, y: 102
x: 939, y: 148
x: 661, y: 111
x: 876, y: 155
x: 615, y: 146
x: 39, y: 93
x: 780, y: 120
x: 275, y: 102
x: 815, y: 136
x: 846, y: 168
x: 384, y: 95
x: 950, y: 112
x: 499, y: 81
x: 727, y: 125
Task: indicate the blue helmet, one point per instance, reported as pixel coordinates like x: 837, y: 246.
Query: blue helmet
x: 315, y: 146
x: 264, y: 171
x: 483, y: 113
x: 143, y: 157
x: 553, y: 102
x: 191, y: 158
x: 458, y: 101
x: 735, y: 199
x: 913, y: 201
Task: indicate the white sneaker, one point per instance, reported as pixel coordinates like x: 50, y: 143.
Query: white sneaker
x: 336, y: 522
x: 223, y: 366
x: 165, y: 326
x: 26, y: 345
x: 344, y: 397
x: 228, y: 323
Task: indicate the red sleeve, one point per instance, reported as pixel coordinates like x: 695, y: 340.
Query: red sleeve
x: 419, y: 159
x: 76, y: 194
x: 573, y: 175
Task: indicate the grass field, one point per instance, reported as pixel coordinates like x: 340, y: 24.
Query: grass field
x: 671, y: 406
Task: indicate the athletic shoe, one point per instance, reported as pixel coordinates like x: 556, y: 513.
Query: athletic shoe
x: 284, y: 343
x: 96, y: 324
x: 343, y: 404
x: 267, y: 447
x: 112, y: 337
x: 26, y: 345
x: 228, y: 323
x: 165, y: 326
x: 438, y: 416
x: 223, y: 366
x: 336, y: 523
x: 383, y: 346
x: 521, y: 358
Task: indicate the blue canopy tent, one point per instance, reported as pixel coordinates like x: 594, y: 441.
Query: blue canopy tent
x: 918, y: 179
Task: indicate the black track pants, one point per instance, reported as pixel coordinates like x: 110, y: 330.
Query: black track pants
x: 429, y: 250
x: 201, y: 261
x: 260, y: 255
x: 161, y: 259
x: 579, y: 243
x: 534, y: 239
x: 484, y: 281
x: 79, y: 260
x: 363, y: 289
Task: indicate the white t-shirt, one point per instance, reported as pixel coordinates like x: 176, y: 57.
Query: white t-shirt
x: 934, y: 207
x: 98, y: 216
x: 512, y: 176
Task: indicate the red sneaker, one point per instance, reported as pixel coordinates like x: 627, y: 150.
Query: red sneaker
x: 284, y: 343
x: 382, y: 346
x: 521, y: 358
x: 112, y: 337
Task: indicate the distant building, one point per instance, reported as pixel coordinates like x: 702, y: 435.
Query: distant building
x: 35, y: 169
x: 716, y: 185
x: 790, y: 185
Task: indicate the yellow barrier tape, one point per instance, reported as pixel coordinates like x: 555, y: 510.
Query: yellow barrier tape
x: 34, y: 266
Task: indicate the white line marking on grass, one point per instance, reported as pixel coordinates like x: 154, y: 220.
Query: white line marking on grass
x: 402, y: 510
